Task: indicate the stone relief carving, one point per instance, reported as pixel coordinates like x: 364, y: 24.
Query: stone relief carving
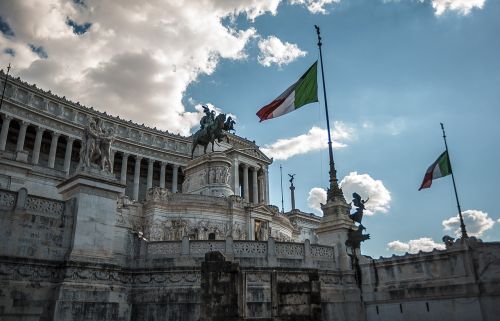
x: 176, y: 229
x: 7, y: 198
x: 157, y: 194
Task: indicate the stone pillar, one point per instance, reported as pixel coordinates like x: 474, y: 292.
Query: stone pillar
x: 67, y: 156
x: 53, y: 149
x: 123, y: 174
x: 255, y: 191
x: 137, y: 175
x: 112, y: 160
x: 149, y: 182
x: 236, y: 177
x: 175, y: 168
x: 22, y: 136
x: 245, y: 182
x: 38, y: 144
x: 162, y: 174
x: 266, y: 185
x: 5, y: 131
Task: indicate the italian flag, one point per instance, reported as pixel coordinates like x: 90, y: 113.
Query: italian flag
x: 440, y: 168
x: 304, y: 91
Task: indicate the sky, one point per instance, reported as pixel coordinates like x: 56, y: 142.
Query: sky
x: 394, y: 69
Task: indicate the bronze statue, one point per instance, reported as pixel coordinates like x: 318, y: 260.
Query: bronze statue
x: 292, y: 177
x: 355, y: 237
x: 360, y: 207
x: 229, y: 124
x: 210, y: 132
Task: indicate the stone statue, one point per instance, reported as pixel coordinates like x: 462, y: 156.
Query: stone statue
x: 212, y: 129
x: 360, y: 207
x: 96, y: 146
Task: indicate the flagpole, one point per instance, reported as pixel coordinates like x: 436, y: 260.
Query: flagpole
x: 282, y: 203
x: 334, y: 189
x: 462, y: 224
x: 4, y: 85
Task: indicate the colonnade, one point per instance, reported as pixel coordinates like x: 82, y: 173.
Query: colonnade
x: 258, y: 182
x: 55, y: 137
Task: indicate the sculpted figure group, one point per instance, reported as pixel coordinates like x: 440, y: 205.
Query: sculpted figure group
x: 96, y: 146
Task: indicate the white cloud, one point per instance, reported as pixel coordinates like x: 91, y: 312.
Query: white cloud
x: 476, y: 223
x: 463, y: 7
x: 425, y: 244
x: 367, y: 187
x: 315, y: 6
x: 315, y: 139
x: 274, y: 51
x: 137, y: 58
x: 317, y: 196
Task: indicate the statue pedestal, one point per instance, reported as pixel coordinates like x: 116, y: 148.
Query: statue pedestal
x: 334, y: 228
x: 209, y: 174
x: 95, y: 200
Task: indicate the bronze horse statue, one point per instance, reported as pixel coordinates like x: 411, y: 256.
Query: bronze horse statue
x: 210, y: 133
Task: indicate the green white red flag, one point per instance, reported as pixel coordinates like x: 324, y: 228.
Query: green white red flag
x: 304, y: 91
x: 440, y: 168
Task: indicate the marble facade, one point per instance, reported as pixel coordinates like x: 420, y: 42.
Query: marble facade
x: 165, y: 237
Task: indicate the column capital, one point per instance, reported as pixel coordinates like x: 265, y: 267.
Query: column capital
x: 138, y: 158
x: 24, y: 123
x: 151, y: 161
x: 245, y: 166
x: 162, y: 163
x: 70, y: 139
x: 125, y: 154
x: 56, y: 134
x: 7, y: 117
x: 39, y: 128
x: 176, y: 165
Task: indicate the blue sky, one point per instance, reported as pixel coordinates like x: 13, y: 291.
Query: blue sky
x: 394, y: 71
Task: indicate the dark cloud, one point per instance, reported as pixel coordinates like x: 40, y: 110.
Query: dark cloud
x: 78, y: 29
x: 39, y: 51
x: 5, y: 28
x: 10, y: 52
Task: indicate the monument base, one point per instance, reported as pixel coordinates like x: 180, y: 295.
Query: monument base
x: 95, y: 200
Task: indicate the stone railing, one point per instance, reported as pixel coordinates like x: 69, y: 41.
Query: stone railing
x: 21, y: 201
x: 269, y: 253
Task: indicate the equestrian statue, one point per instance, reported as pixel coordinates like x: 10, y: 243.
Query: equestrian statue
x: 212, y: 128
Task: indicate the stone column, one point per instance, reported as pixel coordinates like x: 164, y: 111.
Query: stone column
x: 67, y: 156
x: 245, y: 195
x: 123, y: 174
x: 266, y: 185
x: 112, y: 160
x: 162, y: 174
x: 255, y: 191
x: 236, y: 177
x: 22, y: 136
x: 137, y: 175
x: 175, y: 168
x: 5, y: 131
x: 53, y: 149
x: 38, y: 144
x: 149, y: 182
